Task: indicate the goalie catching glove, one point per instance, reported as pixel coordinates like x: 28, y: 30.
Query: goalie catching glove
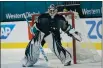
x: 74, y: 34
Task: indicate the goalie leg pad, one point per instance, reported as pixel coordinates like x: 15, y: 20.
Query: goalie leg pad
x: 32, y: 51
x: 55, y: 45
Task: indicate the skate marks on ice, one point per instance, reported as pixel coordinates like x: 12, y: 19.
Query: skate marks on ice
x: 55, y: 63
x: 41, y: 65
x: 18, y: 65
x: 11, y: 58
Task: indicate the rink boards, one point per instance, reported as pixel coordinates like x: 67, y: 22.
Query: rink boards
x: 23, y: 45
x: 16, y: 34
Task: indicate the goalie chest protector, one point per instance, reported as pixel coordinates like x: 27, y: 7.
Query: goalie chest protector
x: 47, y: 24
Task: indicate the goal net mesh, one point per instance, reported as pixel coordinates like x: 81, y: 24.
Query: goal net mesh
x: 85, y: 51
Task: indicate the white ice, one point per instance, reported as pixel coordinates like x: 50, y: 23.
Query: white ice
x: 11, y: 58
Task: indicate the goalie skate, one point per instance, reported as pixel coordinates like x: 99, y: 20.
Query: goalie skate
x: 27, y: 63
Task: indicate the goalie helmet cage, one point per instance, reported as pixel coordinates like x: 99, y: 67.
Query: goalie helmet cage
x: 34, y: 16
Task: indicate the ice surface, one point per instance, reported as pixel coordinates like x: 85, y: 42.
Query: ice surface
x: 11, y: 58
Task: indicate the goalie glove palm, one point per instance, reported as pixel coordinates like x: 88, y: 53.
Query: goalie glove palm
x: 72, y: 33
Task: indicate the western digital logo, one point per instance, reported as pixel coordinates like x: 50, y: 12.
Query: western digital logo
x: 6, y: 30
x: 91, y: 11
x: 18, y: 16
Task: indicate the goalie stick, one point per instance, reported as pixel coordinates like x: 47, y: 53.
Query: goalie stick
x: 41, y: 49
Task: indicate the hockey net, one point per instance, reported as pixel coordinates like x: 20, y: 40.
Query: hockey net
x: 82, y: 52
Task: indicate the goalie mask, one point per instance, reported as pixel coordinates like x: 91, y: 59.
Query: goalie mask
x: 52, y: 10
